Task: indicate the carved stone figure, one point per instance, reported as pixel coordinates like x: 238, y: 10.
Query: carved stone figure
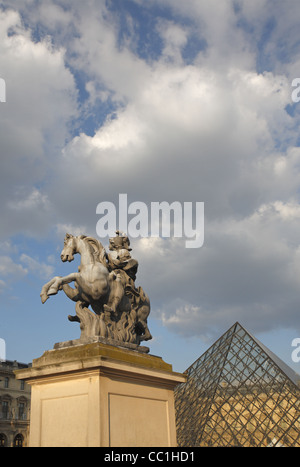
x: 106, y: 283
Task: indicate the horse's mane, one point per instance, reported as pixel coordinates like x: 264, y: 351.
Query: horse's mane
x: 97, y: 249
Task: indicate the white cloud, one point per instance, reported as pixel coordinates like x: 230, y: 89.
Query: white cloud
x: 175, y: 39
x: 248, y: 271
x: 2, y: 286
x: 210, y: 136
x: 38, y: 268
x: 54, y: 16
x: 9, y: 268
x: 63, y: 229
x: 41, y: 99
x: 35, y: 200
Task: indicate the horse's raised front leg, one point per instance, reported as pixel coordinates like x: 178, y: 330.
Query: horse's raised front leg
x: 52, y: 287
x: 44, y: 292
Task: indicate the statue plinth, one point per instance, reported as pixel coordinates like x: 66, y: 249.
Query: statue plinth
x: 99, y: 395
x: 102, y: 340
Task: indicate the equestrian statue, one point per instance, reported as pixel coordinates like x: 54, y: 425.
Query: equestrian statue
x: 108, y: 304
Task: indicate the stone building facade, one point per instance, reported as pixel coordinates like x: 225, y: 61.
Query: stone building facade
x: 14, y: 406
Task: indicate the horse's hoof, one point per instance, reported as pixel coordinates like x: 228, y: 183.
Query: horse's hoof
x: 52, y: 291
x: 44, y: 298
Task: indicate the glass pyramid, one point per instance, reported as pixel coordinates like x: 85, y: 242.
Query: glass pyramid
x: 238, y: 393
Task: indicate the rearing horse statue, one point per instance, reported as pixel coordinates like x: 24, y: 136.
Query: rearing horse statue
x: 106, y: 283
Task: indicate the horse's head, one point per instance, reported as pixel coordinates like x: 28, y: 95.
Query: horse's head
x: 69, y: 249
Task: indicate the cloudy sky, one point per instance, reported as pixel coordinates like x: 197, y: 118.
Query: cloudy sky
x: 162, y: 100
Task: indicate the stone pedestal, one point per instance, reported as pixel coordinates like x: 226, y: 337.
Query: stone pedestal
x: 98, y: 395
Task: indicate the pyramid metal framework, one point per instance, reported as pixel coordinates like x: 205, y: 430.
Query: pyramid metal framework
x: 238, y: 393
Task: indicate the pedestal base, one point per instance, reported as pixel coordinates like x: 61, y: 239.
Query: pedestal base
x: 102, y: 340
x: 98, y: 395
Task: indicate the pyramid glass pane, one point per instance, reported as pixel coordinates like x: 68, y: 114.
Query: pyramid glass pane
x: 238, y: 394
